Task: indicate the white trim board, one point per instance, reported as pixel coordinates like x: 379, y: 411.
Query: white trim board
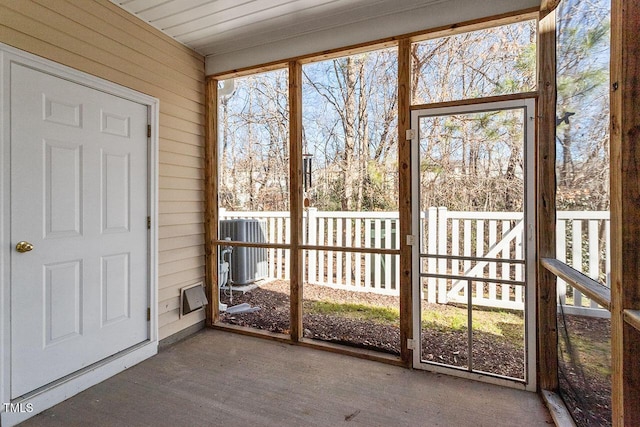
x: 68, y: 386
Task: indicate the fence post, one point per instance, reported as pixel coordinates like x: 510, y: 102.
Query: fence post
x: 312, y: 222
x: 594, y: 253
x: 442, y: 250
x: 576, y: 255
x: 287, y: 252
x: 432, y: 224
x: 561, y: 255
x: 273, y: 253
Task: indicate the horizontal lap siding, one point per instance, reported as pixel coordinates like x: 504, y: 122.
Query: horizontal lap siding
x: 101, y: 39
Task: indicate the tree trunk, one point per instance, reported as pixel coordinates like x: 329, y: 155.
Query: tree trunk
x: 348, y: 156
x: 566, y: 169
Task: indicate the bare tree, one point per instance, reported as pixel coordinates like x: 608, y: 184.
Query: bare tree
x: 583, y: 105
x: 473, y: 161
x: 254, y: 144
x: 350, y: 127
x: 355, y: 97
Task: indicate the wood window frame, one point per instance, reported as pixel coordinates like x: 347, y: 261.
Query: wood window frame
x: 294, y: 65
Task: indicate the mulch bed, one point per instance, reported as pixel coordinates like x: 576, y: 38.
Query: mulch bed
x: 490, y: 354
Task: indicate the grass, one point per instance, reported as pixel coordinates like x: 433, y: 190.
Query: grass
x: 384, y: 315
x: 505, y: 324
x: 444, y: 318
x: 595, y: 356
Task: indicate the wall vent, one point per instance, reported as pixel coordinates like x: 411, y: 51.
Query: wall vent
x: 192, y: 298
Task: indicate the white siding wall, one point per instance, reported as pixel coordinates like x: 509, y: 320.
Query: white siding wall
x: 99, y: 38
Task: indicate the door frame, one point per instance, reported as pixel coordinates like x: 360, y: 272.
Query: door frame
x: 47, y: 396
x: 529, y: 106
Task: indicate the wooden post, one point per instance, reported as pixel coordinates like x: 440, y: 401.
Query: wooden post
x: 625, y: 209
x: 211, y: 199
x: 546, y: 203
x: 404, y: 203
x: 296, y: 208
x: 547, y: 6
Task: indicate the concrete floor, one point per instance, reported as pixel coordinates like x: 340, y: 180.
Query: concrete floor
x: 217, y: 378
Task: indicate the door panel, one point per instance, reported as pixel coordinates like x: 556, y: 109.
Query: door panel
x: 62, y: 302
x: 79, y: 195
x: 472, y: 211
x: 115, y: 284
x: 63, y: 198
x: 115, y: 192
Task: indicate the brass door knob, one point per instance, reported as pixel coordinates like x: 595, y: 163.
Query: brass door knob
x: 23, y: 247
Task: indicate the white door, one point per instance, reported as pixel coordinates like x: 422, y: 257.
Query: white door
x: 79, y: 197
x: 474, y: 277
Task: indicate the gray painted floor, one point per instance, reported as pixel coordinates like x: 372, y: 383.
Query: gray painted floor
x: 217, y: 378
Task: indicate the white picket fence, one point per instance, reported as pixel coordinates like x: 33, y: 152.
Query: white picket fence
x: 455, y: 238
x: 377, y: 273
x: 583, y: 240
x: 485, y: 235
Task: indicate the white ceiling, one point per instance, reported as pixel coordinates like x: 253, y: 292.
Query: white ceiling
x: 235, y: 33
x: 219, y: 26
